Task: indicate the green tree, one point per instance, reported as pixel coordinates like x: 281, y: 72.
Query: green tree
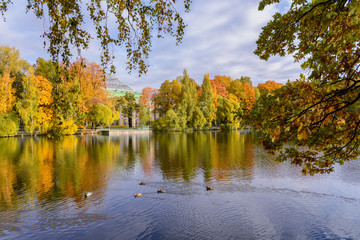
x: 199, y: 120
x: 102, y: 114
x: 28, y: 104
x: 172, y: 120
x: 134, y: 24
x: 227, y: 112
x: 144, y: 115
x: 9, y: 124
x: 18, y: 68
x: 188, y: 96
x: 127, y: 104
x: 47, y: 69
x: 10, y: 59
x: 320, y: 112
x: 206, y: 103
x: 67, y: 114
x: 167, y: 97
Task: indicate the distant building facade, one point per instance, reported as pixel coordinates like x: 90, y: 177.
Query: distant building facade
x: 117, y: 88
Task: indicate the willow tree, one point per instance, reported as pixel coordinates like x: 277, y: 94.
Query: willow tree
x: 135, y: 23
x: 322, y: 111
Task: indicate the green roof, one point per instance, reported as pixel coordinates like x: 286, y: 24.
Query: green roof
x: 120, y: 93
x: 117, y: 88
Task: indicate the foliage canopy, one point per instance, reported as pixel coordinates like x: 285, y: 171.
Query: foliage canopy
x: 135, y: 22
x: 320, y: 113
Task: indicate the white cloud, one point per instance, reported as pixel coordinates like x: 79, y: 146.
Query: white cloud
x: 220, y: 40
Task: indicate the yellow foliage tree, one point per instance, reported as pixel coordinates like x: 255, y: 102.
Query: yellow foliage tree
x: 7, y: 92
x: 46, y: 99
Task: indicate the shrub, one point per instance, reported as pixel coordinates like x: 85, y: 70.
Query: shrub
x: 9, y: 124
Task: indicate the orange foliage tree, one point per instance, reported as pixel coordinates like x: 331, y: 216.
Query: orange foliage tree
x: 92, y: 82
x: 268, y: 87
x: 146, y: 97
x: 219, y: 88
x: 45, y: 109
x: 7, y: 93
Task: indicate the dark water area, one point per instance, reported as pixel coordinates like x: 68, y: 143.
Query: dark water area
x: 42, y: 185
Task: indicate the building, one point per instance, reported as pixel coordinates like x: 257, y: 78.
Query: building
x: 117, y: 88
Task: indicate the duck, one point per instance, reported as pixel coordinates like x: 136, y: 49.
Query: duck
x: 87, y: 194
x: 161, y: 191
x: 142, y: 183
x: 208, y: 188
x: 138, y: 195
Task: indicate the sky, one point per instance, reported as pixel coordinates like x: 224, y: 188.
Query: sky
x: 219, y: 39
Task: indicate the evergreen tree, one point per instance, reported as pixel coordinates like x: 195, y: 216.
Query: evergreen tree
x: 206, y: 101
x: 188, y: 97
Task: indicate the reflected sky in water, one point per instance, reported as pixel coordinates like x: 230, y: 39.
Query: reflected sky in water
x: 42, y: 183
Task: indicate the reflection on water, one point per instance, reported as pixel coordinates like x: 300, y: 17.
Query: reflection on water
x: 42, y: 183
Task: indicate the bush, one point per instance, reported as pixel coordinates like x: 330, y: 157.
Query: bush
x: 9, y: 124
x: 227, y: 126
x: 159, y: 124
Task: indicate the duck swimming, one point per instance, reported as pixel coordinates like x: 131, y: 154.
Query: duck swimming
x: 87, y: 194
x: 208, y: 188
x: 138, y: 194
x: 142, y: 183
x: 161, y: 191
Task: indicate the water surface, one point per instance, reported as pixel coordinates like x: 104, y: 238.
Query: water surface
x: 42, y: 183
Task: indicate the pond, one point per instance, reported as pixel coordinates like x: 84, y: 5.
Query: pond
x: 42, y: 185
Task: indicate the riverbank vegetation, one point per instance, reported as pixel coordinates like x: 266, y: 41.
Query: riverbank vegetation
x: 223, y: 102
x: 51, y: 98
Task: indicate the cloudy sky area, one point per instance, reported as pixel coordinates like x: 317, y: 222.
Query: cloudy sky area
x: 220, y: 40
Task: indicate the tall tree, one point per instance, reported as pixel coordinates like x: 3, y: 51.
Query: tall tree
x: 320, y: 112
x: 188, y: 96
x: 7, y: 92
x: 127, y: 104
x: 167, y: 97
x: 10, y: 61
x: 268, y: 87
x: 206, y: 103
x: 147, y: 97
x: 133, y: 26
x: 91, y: 80
x: 47, y: 69
x: 45, y: 103
x: 27, y: 106
x: 227, y: 112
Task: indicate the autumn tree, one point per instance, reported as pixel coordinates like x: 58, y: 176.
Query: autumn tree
x: 206, y: 103
x: 47, y: 69
x: 198, y: 118
x: 130, y: 24
x: 219, y: 88
x: 66, y: 105
x: 223, y: 80
x: 28, y: 104
x: 320, y: 112
x: 147, y: 97
x: 144, y: 115
x: 45, y: 110
x: 18, y: 68
x: 91, y: 80
x: 227, y: 113
x: 188, y: 96
x: 127, y: 104
x: 102, y: 114
x: 268, y: 87
x: 167, y: 97
x: 7, y: 92
x: 9, y: 124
